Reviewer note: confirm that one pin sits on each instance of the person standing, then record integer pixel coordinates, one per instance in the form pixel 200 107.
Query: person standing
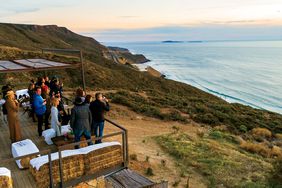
pixel 45 95
pixel 5 89
pixel 55 124
pixel 12 106
pixel 39 108
pixel 31 92
pixel 81 120
pixel 98 109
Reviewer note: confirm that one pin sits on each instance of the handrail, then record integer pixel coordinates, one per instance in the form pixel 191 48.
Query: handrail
pixel 60 148
pixel 115 124
pixel 60 50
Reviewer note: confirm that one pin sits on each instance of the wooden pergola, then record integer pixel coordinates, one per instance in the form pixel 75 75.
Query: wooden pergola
pixel 31 65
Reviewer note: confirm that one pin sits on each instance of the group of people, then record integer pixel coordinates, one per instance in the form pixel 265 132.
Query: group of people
pixel 46 99
pixel 86 118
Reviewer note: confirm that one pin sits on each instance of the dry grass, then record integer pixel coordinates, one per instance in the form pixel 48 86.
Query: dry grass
pixel 278 136
pixel 262 149
pixel 219 161
pixel 261 132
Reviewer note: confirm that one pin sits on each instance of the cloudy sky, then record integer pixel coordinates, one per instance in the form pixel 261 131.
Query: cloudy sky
pixel 152 20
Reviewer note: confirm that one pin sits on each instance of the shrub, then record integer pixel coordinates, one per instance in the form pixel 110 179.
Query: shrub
pixel 276 179
pixel 261 132
pixel 207 118
pixel 149 171
pixel 243 128
pixel 216 134
pixel 147 158
pixel 133 157
pixel 163 162
pixel 278 136
pixel 260 148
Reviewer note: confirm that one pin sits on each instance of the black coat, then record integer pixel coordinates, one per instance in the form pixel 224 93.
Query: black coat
pixel 98 110
pixel 81 118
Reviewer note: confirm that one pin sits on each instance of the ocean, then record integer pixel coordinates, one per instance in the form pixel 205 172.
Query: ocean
pixel 246 72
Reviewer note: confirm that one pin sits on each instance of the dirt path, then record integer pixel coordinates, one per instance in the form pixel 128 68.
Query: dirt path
pixel 149 154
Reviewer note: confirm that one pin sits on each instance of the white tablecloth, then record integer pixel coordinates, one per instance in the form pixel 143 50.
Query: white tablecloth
pixel 22 92
pixel 65 129
pixel 51 133
pixel 22 148
pixel 5 172
pixel 48 134
pixel 2 101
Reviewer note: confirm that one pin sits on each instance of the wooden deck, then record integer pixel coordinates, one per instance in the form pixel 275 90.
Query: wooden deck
pixel 21 178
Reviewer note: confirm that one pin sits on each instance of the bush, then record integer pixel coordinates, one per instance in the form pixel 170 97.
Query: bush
pixel 262 149
pixel 133 157
pixel 243 129
pixel 149 171
pixel 276 179
pixel 261 132
pixel 278 136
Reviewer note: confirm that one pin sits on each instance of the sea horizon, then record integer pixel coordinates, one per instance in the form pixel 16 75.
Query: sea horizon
pixel 240 71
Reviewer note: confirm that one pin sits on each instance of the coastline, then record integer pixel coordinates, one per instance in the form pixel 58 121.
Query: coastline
pixel 218 75
pixel 230 99
pixel 149 69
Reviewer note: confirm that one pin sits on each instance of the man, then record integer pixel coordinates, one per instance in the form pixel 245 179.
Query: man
pixel 40 108
pixel 81 121
pixel 5 90
pixel 98 109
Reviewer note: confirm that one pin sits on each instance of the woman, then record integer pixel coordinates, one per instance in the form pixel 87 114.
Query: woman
pixel 31 92
pixel 12 106
pixel 55 124
pixel 88 99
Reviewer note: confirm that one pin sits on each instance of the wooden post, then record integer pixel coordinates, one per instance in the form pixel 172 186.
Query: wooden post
pixel 82 72
pixel 50 170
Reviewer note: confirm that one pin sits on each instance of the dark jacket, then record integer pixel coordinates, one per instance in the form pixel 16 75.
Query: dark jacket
pixel 80 118
pixel 98 110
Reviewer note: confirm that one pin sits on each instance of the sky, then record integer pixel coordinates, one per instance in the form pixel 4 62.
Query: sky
pixel 153 20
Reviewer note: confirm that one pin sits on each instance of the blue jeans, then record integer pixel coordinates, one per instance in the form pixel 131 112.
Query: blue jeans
pixel 79 133
pixel 95 127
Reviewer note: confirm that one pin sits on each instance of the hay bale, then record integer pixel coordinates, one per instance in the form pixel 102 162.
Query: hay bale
pixel 73 167
pixel 102 158
pixel 5 178
pixel 22 148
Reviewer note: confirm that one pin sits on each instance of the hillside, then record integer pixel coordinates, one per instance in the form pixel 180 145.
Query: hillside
pixel 158 98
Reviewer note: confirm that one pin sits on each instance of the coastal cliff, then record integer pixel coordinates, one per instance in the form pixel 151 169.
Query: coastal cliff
pixel 124 56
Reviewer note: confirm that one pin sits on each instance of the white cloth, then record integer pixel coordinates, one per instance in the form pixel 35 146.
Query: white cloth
pixel 39 161
pixel 22 92
pixel 48 135
pixel 5 172
pixel 22 148
pixel 2 101
pixel 65 129
pixel 55 120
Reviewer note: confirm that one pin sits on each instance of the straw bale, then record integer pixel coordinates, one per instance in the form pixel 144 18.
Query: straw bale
pixel 6 182
pixel 73 167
